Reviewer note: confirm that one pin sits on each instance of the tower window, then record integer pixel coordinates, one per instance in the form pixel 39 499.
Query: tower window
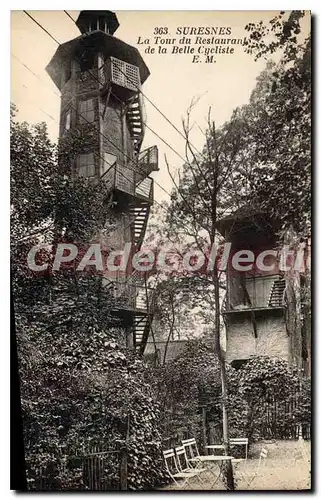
pixel 86 111
pixel 67 121
pixel 86 165
pixel 86 60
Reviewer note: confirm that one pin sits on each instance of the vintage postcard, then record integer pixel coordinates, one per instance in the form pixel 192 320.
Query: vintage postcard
pixel 160 249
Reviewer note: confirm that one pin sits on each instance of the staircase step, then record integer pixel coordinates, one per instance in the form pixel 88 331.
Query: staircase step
pixel 276 294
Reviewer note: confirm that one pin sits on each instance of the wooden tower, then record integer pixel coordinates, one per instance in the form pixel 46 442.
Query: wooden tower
pixel 100 77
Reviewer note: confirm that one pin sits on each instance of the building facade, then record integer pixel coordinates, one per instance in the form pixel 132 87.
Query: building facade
pixel 262 308
pixel 100 79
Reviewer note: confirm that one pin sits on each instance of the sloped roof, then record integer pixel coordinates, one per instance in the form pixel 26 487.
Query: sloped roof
pixel 245 214
pixel 175 347
pixel 86 16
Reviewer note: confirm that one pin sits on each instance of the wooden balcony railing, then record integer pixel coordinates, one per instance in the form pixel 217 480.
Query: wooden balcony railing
pixel 128 181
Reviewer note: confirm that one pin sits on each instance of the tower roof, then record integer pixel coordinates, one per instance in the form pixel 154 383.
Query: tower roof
pixel 87 18
pixel 97 41
pixel 247 217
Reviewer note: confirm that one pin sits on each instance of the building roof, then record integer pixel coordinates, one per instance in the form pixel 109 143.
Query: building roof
pixel 246 216
pixel 86 16
pixel 175 347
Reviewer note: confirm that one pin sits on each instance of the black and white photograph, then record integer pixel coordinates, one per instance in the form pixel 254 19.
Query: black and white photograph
pixel 160 250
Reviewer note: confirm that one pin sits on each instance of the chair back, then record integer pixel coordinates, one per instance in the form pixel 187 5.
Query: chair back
pixel 297 455
pixel 182 460
pixel 262 459
pixel 170 461
pixel 239 441
pixel 191 448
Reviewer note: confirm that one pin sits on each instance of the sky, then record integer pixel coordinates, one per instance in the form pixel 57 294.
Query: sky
pixel 173 82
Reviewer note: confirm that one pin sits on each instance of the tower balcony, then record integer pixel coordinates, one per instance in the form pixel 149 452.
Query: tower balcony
pixel 129 294
pixel 147 162
pixel 270 295
pixel 129 183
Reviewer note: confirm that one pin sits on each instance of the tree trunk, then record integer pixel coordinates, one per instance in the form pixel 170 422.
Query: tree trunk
pixel 226 435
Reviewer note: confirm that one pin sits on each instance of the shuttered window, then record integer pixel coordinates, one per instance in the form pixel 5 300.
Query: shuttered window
pixel 87 165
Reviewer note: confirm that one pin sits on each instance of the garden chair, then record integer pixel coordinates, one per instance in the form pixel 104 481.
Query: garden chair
pixel 240 442
pixel 250 476
pixel 174 471
pixel 297 456
pixel 183 464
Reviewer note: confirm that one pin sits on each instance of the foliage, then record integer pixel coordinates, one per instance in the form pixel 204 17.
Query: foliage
pixel 278 120
pixel 261 156
pixel 267 399
pixel 84 397
pixel 184 385
pixel 282 33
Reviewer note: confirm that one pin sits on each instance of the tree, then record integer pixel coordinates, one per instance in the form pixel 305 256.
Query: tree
pixel 184 385
pixel 268 399
pixel 255 160
pixel 278 119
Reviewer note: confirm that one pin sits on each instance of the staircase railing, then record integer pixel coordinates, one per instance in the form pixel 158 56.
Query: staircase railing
pixel 276 298
pixel 148 161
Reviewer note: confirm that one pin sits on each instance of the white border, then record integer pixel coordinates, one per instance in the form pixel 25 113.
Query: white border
pixel 4 181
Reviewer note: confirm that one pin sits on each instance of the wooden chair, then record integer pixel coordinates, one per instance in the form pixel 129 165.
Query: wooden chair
pixel 174 471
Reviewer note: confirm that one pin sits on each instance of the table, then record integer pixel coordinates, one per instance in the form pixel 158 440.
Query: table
pixel 215 447
pixel 218 459
pixel 233 442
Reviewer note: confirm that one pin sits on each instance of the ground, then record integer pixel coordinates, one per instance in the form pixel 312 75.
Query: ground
pixel 287 467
